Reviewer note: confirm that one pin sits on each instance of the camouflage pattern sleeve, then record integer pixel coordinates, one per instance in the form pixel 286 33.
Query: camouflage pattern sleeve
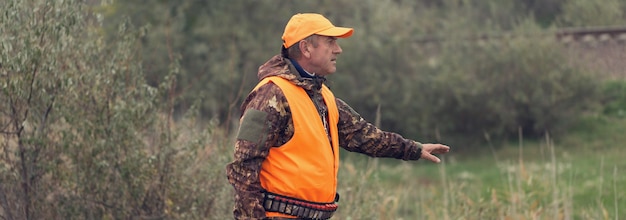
pixel 265 115
pixel 358 135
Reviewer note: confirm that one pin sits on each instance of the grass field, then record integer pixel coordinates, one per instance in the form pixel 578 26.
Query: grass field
pixel 576 176
pixel 572 176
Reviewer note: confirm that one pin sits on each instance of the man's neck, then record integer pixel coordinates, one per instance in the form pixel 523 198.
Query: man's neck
pixel 302 71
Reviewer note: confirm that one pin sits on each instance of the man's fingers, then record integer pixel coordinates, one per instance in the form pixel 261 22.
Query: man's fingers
pixel 441 150
pixel 430 157
pixel 429 149
pixel 436 148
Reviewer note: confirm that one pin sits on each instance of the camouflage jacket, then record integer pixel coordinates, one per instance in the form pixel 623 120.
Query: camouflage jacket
pixel 267 122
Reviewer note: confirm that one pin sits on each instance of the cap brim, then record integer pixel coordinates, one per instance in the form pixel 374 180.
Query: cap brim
pixel 340 32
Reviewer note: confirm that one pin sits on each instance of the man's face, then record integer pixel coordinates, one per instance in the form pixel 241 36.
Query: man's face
pixel 322 57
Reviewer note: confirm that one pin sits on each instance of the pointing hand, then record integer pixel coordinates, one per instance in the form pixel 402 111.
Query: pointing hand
pixel 429 149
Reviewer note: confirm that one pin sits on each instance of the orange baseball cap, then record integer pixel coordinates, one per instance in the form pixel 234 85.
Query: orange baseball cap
pixel 303 25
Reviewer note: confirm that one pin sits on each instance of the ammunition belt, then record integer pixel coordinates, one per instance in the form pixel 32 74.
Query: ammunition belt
pixel 297 207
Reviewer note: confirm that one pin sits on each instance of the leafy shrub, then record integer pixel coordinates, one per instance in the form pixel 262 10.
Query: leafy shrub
pixel 582 13
pixel 83 136
pixel 614 98
pixel 499 87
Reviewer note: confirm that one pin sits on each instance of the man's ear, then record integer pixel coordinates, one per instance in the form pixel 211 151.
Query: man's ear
pixel 304 49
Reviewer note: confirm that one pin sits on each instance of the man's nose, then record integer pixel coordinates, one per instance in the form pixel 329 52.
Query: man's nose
pixel 338 50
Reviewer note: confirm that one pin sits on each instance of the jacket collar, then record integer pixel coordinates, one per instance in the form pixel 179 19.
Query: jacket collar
pixel 283 67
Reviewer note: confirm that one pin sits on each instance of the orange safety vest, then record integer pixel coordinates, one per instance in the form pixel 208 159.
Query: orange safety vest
pixel 306 166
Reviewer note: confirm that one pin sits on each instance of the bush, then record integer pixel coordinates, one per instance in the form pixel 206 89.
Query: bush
pixel 83 136
pixel 582 13
pixel 499 87
pixel 614 98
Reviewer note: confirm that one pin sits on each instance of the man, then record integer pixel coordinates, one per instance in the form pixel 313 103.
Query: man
pixel 287 150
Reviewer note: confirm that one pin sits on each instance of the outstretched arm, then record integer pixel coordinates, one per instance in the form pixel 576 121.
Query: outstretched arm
pixel 358 135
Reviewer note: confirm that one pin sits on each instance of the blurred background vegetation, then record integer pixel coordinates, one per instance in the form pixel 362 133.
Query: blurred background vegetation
pixel 126 109
pixel 458 89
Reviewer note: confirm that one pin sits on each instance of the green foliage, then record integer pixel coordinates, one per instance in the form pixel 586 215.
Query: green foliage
pixel 83 135
pixel 221 43
pixel 104 117
pixel 544 11
pixel 614 101
pixel 384 65
pixel 581 13
pixel 464 88
pixel 499 87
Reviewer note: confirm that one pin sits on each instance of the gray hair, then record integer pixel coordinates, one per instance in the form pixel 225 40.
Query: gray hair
pixel 294 52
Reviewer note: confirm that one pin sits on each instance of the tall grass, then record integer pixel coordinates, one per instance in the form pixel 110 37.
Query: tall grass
pixel 544 181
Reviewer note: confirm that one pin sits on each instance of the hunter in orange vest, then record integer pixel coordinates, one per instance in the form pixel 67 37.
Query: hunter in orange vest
pixel 287 150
